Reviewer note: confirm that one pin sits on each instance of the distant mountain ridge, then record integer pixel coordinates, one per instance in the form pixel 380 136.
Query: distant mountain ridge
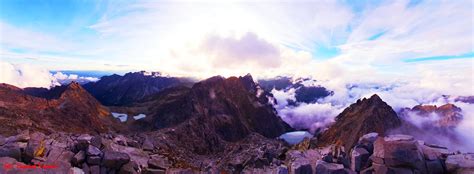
pixel 116 90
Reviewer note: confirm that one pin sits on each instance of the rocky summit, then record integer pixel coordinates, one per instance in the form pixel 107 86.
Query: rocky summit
pixel 72 109
pixel 360 118
pixel 444 116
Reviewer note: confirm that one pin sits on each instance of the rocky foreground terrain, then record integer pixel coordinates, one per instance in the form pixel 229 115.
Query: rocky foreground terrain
pixel 219 125
pixel 116 153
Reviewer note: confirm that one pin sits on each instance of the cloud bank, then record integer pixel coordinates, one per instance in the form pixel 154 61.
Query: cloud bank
pixel 26 75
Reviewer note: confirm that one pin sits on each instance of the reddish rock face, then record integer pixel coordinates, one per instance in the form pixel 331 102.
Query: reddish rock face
pixel 449 114
pixel 364 116
pixel 73 110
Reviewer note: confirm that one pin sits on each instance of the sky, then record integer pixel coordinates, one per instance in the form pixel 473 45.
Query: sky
pixel 367 40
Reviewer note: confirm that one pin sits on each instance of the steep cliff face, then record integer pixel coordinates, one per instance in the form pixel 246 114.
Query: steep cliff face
pixel 72 109
pixel 230 105
pixel 364 116
pixel 212 112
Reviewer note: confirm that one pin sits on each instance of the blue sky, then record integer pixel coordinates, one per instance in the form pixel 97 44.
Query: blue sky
pixel 172 36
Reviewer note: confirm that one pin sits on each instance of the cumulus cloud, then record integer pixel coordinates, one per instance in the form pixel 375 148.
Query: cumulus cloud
pixel 236 52
pixel 66 79
pixel 311 116
pixel 24 75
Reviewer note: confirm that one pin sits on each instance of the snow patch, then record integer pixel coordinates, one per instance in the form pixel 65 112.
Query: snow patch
pixel 122 117
pixel 139 116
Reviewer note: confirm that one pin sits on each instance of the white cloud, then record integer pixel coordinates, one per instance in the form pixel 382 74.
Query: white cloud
pixel 25 75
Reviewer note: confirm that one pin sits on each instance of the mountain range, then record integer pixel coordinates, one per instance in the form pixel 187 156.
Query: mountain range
pixel 217 125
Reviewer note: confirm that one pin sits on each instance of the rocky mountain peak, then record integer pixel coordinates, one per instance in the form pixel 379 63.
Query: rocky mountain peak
pixel 117 90
pixel 448 115
pixel 362 117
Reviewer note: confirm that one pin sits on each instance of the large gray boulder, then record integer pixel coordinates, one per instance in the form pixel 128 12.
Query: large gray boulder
pixel 398 151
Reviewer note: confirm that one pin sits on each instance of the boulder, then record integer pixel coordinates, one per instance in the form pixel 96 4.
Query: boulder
pixel 368 138
pixel 22 137
pixel 7 165
pixel 330 168
pixel 83 141
pixel 158 162
pixel 2 140
pixel 93 151
pixel 79 158
pixel 179 171
pixel 36 147
pixel 86 168
pixel 435 153
pixel 93 160
pixel 460 163
pixel 95 169
pixel 367 141
pixel 301 166
pixel 435 167
pixel 115 160
pixel 133 143
pixel 399 151
pixel 96 141
pixel 121 140
pixel 154 171
pixel 281 170
pixel 60 157
pixel 382 169
pixel 75 170
pixel 12 150
pixel 129 168
pixel 359 158
pixel 148 145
